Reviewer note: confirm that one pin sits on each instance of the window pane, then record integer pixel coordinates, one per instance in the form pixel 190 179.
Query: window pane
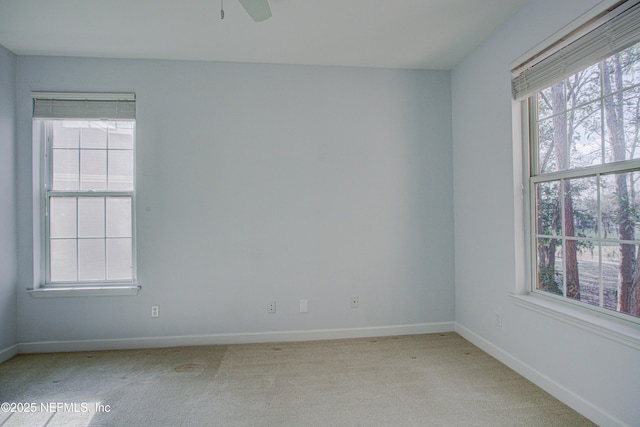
pixel 582 207
pixel 548 205
pixel 93 170
pixel 584 86
pixel 589 272
pixel 62 217
pixel 585 133
pixel 65 169
pixel 549 265
pixel 571 270
pixel 571 137
pixel 631 123
pixel 121 135
pixel 610 271
pixel 544 103
pixel 65 134
pixel 621 69
pixel 94 136
pixel 546 147
pixel 119 260
pixel 91 217
pixel 120 170
pixel 91 259
pixel 118 217
pixel 614 136
pixel 572 111
pixel 620 206
pixel 627 294
pixel 63 260
pixel 621 103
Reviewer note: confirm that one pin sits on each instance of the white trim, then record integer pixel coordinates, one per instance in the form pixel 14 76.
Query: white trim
pixel 603 325
pixel 84 291
pixel 240 338
pixel 9 352
pixel 85 96
pixel 568 397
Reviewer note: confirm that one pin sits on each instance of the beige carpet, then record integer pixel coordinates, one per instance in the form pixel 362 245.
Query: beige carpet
pixel 419 380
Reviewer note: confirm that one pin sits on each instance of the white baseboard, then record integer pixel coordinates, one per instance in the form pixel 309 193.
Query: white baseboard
pixel 558 391
pixel 243 338
pixel 9 352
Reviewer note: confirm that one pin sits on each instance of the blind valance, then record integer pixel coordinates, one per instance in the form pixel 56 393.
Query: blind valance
pixel 613 31
pixel 48 105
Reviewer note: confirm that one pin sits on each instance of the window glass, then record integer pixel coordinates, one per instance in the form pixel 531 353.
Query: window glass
pixel 89 200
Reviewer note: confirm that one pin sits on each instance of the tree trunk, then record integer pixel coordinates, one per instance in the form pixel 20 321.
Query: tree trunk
pixel 615 126
pixel 571 246
pixel 561 144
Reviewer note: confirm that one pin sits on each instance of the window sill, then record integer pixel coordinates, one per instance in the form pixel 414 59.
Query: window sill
pixel 84 291
pixel 617 330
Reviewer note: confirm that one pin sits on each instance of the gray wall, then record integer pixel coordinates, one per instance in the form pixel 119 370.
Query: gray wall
pixel 596 373
pixel 8 238
pixel 260 182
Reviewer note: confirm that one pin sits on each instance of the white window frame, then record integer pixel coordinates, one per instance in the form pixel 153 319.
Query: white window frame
pixel 617 327
pixel 42 147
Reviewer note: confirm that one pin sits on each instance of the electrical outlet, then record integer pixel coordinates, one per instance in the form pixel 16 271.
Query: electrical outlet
pixel 499 319
pixel 271 308
pixel 304 306
pixel 155 310
pixel 354 302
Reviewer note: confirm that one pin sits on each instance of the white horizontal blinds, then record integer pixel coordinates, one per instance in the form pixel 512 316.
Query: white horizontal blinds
pixel 615 31
pixel 83 106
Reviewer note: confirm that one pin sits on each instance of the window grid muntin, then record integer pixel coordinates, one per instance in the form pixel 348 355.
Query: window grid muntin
pixel 49 194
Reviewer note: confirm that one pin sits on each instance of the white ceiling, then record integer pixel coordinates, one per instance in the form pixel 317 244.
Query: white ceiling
pixel 422 34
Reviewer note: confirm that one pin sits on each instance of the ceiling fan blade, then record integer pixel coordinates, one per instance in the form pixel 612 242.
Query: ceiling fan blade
pixel 259 10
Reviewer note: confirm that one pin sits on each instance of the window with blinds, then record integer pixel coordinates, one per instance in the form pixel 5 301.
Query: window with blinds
pixel 88 187
pixel 583 97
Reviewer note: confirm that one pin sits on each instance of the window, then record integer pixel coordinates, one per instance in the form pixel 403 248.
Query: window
pixel 88 188
pixel 584 185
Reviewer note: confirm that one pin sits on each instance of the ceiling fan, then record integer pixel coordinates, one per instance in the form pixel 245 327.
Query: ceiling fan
pixel 259 10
